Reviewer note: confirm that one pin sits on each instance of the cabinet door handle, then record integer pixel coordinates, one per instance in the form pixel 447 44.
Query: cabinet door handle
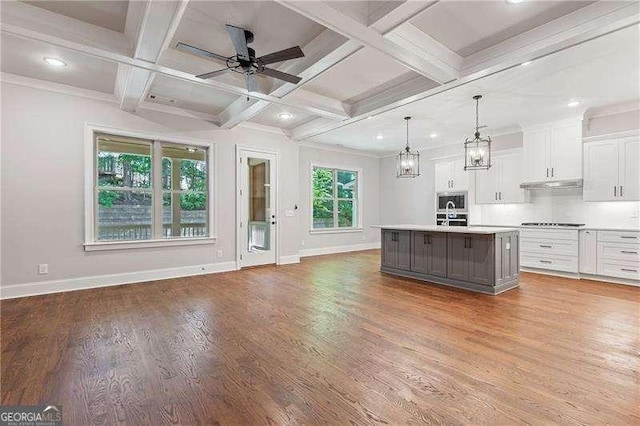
pixel 452 183
pixel 628 270
pixel 496 196
pixel 500 195
pixel 629 237
pixel 545 246
pixel 615 191
pixel 425 239
pixel 546 261
pixel 470 240
pixel 547 172
pixel 552 171
pixel 428 239
pixel 628 252
pixel 465 242
pixel 621 190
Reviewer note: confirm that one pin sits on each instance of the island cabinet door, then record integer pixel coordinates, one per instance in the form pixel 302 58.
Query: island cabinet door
pixel 458 254
pixel 481 259
pixel 389 248
pixel 419 252
pixel 437 254
pixel 403 242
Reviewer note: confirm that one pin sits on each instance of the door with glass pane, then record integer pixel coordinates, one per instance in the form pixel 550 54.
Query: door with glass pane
pixel 258 215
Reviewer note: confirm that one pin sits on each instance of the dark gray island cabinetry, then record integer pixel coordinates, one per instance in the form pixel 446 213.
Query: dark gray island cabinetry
pixel 477 258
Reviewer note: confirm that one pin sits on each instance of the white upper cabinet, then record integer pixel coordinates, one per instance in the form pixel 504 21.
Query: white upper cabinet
pixel 553 151
pixel 611 170
pixel 451 176
pixel 501 183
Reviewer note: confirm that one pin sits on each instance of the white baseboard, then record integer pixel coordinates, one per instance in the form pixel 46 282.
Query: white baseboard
pixel 57 286
pixel 338 249
pixel 287 260
pixel 582 276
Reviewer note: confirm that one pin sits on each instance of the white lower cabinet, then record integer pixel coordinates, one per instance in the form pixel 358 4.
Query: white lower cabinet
pixel 588 252
pixel 618 254
pixel 550 249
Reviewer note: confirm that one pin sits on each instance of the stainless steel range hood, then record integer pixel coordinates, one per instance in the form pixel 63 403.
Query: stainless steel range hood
pixel 553 184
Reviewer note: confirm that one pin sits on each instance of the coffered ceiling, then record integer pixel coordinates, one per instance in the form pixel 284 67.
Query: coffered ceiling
pixel 379 59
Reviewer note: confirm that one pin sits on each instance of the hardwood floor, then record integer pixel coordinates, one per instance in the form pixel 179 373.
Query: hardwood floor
pixel 330 340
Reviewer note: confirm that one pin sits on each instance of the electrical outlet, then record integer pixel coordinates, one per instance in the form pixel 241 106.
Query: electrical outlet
pixel 43 269
pixel 219 253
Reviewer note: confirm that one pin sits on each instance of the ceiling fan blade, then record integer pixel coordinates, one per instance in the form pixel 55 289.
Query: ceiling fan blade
pixel 282 55
pixel 239 41
pixel 252 83
pixel 213 73
pixel 199 52
pixel 280 75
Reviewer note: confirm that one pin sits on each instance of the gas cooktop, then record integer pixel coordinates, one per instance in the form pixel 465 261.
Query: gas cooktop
pixel 554 224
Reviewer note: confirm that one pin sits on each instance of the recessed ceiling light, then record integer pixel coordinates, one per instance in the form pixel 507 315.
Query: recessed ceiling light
pixel 524 64
pixel 379 137
pixel 285 116
pixel 370 117
pixel 55 62
pixel 433 135
pixel 573 104
pixel 514 1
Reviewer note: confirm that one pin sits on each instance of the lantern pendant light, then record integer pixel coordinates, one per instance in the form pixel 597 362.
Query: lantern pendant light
pixel 408 161
pixel 477 151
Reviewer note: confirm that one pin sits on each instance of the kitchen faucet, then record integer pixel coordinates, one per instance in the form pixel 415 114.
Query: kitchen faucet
pixel 446 212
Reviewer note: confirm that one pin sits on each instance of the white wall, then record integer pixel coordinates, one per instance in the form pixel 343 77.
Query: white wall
pixel 43 187
pixel 370 198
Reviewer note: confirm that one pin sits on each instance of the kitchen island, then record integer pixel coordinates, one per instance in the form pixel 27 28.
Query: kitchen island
pixel 482 259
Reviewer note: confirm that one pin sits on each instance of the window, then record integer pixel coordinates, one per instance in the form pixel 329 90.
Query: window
pixel 335 203
pixel 149 190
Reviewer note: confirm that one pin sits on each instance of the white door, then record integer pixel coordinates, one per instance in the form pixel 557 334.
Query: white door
pixel 459 176
pixel 600 171
pixel 536 151
pixel 443 176
pixel 257 208
pixel 566 152
pixel 629 171
pixel 511 174
pixel 488 184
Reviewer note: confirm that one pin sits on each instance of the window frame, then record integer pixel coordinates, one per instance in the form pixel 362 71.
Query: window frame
pixel 91 205
pixel 357 200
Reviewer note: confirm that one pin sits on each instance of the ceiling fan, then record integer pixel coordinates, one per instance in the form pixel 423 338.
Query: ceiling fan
pixel 245 61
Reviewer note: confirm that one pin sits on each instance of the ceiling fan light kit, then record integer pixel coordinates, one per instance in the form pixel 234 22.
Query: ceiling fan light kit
pixel 245 61
pixel 477 151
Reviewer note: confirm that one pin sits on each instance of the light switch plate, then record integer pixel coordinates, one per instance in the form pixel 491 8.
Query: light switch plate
pixel 508 246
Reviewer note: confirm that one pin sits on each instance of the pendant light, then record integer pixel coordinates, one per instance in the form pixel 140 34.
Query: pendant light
pixel 477 151
pixel 408 161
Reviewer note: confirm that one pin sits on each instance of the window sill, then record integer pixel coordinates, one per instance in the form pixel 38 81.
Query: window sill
pixel 335 230
pixel 126 245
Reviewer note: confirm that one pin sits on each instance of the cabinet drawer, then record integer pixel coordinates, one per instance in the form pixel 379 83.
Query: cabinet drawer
pixel 549 234
pixel 554 263
pixel 619 236
pixel 551 247
pixel 619 251
pixel 619 268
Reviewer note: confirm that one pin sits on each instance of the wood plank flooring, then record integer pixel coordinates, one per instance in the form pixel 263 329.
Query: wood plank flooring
pixel 328 341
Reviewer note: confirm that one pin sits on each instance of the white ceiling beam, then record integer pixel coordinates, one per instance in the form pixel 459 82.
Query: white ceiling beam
pixel 388 20
pixel 585 24
pixel 50 86
pixel 582 25
pixel 322 53
pixel 34 32
pixel 337 21
pixel 155 32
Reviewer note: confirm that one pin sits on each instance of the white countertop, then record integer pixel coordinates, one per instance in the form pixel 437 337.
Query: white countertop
pixel 577 228
pixel 453 229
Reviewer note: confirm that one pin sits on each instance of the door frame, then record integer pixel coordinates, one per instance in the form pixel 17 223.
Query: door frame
pixel 240 149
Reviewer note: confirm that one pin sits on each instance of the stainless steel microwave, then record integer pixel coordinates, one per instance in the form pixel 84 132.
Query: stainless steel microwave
pixel 459 200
